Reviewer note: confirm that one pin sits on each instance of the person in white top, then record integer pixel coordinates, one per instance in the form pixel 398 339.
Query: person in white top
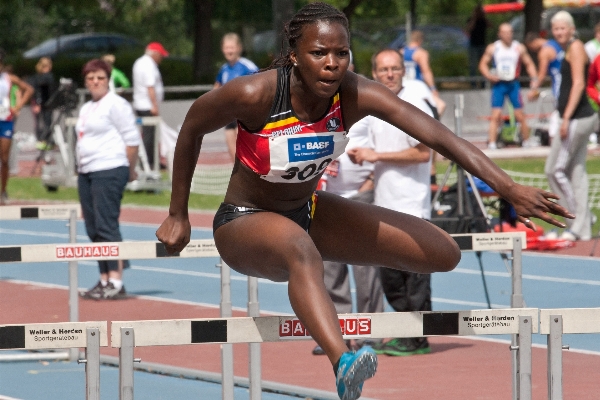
pixel 107 153
pixel 148 91
pixel 402 183
pixel 506 55
pixel 592 47
pixel 8 113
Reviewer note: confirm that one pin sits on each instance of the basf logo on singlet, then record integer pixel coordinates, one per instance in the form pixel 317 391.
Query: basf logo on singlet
pixel 309 148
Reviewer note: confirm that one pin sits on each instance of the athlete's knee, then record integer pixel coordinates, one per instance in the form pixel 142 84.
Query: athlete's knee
pixel 303 253
pixel 448 256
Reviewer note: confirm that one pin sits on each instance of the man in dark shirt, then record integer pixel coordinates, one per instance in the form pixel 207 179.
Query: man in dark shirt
pixel 44 85
pixel 477 25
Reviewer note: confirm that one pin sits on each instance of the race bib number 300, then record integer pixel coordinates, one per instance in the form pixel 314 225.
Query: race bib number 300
pixel 298 158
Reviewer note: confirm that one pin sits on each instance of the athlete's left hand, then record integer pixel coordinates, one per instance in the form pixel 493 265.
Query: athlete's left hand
pixel 534 202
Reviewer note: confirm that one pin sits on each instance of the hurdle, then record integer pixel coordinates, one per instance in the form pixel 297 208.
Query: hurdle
pixel 62 335
pixel 206 248
pixel 514 242
pixel 68 212
pixel 556 322
pixel 74 252
pixel 126 335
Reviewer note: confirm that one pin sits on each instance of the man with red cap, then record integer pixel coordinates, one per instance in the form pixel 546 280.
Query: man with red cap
pixel 148 91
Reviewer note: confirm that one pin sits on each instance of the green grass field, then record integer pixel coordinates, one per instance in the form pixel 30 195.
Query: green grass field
pixel 31 189
pixel 536 166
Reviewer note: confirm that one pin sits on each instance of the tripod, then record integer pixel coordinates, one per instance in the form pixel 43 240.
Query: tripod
pixel 463 218
pixel 58 123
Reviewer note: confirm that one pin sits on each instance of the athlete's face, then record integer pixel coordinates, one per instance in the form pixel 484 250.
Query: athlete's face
pixel 562 32
pixel 231 51
pixel 389 70
pixel 322 57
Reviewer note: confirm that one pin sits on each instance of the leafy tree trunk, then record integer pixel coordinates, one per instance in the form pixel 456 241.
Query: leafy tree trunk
pixel 533 13
pixel 283 11
pixel 202 39
pixel 350 8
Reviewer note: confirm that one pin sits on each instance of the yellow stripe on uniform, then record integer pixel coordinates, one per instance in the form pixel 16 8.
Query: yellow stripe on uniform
pixel 279 124
pixel 313 206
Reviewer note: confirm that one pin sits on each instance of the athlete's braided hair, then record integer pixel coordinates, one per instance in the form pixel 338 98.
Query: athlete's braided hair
pixel 309 14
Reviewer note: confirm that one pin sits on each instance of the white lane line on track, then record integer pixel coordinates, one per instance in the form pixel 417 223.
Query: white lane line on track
pixel 39 233
pixel 41 285
pixel 200 274
pixel 528 276
pixel 457 270
pixel 467 303
pixel 266 281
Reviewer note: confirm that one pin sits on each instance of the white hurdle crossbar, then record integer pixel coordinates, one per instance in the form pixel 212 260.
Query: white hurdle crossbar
pixel 62 335
pixel 103 251
pixel 555 322
pixel 522 322
pixel 54 212
pixel 51 211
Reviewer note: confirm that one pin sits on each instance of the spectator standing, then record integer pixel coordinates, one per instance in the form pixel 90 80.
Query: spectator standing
pixel 593 81
pixel 592 47
pixel 44 84
pixel 506 56
pixel 416 64
pixel 402 167
pixel 8 113
pixel 292 121
pixel 118 80
pixel 15 98
pixel 235 65
pixel 550 55
pixel 477 25
pixel 148 92
pixel 107 151
pixel 416 61
pixel 565 166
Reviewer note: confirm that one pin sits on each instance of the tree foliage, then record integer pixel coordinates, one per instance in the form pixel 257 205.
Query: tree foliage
pixel 173 22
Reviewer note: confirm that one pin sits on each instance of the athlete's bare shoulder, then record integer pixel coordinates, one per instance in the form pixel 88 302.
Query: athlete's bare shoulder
pixel 251 96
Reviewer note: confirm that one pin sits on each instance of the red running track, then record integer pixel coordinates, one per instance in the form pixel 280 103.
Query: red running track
pixel 457 368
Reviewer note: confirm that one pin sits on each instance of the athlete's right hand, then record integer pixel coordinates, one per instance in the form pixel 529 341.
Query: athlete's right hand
pixel 175 233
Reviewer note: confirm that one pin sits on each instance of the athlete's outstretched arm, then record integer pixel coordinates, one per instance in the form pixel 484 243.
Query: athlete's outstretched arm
pixel 243 99
pixel 377 100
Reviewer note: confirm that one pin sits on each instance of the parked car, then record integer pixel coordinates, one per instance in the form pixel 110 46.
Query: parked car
pixel 85 45
pixel 436 38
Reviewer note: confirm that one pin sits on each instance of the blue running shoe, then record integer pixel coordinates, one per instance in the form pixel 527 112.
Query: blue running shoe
pixel 354 369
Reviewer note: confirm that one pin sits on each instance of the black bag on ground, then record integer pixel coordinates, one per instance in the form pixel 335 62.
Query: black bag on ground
pixel 444 213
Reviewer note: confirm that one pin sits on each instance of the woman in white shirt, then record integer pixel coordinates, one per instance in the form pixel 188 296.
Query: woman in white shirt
pixel 107 152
